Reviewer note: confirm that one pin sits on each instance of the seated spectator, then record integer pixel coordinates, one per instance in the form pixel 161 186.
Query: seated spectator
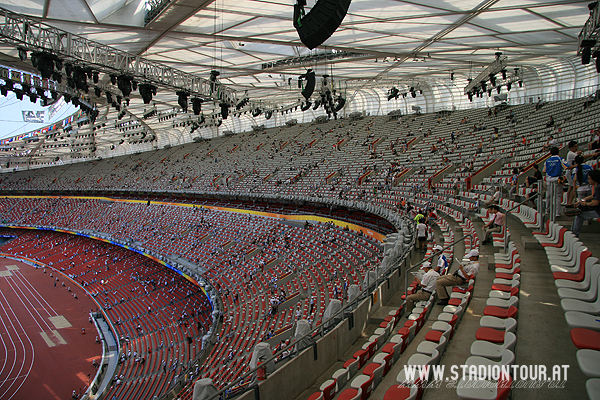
pixel 589 101
pixel 530 197
pixel 550 122
pixel 427 286
pixel 539 104
pixel 495 224
pixel 551 143
pixel 494 200
pixel 537 176
pixel 590 205
pixel 595 143
pixel 580 177
pixel 460 277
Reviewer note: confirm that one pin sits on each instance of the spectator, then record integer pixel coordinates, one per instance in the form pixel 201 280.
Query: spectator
pixel 442 264
pixel 571 155
pixel 537 176
pixel 595 144
pixel 539 104
pixel 580 178
pixel 550 122
pixel 590 205
pixel 551 143
pixel 427 284
pixel 495 224
pixel 514 182
pixel 422 235
pixel 573 152
pixel 460 277
pixel 554 168
pixel 495 198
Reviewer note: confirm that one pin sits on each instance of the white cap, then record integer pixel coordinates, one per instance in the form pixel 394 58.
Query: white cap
pixel 437 248
pixel 426 264
pixel 473 253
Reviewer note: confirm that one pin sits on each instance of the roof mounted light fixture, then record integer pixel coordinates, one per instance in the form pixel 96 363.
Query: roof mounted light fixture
pixel 587 41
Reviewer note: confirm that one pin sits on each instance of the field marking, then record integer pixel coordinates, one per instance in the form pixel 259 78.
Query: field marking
pixel 47 339
pixel 60 322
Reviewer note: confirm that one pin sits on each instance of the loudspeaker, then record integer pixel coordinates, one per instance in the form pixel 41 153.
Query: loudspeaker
pixel 319 24
pixel 586 55
pixel 310 84
pixel 586 50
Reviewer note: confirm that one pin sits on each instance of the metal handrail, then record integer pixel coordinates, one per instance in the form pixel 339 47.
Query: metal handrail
pixel 522 203
pixel 506 212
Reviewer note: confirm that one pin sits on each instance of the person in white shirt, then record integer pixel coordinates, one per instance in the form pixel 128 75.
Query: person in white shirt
pixel 460 277
pixel 495 224
pixel 495 198
pixel 422 235
pixel 442 263
pixel 427 283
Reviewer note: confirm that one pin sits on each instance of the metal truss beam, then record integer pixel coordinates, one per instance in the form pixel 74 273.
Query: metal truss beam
pixel 19 30
pixel 498 65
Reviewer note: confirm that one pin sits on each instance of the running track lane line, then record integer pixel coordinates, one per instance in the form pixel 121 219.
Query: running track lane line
pixel 15 284
pixel 12 286
pixel 5 347
pixel 29 287
pixel 2 395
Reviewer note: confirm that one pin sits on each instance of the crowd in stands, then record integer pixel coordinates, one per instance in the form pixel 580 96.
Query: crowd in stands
pixel 268 273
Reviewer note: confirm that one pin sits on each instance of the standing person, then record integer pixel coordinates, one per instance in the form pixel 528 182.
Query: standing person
pixel 580 177
pixel 495 224
pixel 419 216
pixel 554 168
pixel 422 235
pixel 460 276
pixel 427 284
pixel 514 182
pixel 573 146
pixel 589 206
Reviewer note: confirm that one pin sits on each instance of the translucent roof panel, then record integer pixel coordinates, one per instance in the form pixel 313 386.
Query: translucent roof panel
pixel 255 46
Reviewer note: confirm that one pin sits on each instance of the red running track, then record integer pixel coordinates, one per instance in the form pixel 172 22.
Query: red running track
pixel 41 357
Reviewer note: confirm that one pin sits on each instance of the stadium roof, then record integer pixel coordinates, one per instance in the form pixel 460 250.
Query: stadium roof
pixel 378 43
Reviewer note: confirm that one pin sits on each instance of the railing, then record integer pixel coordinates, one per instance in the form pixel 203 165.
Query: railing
pixel 506 212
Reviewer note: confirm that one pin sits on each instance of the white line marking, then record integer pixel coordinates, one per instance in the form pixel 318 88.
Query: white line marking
pixel 14 349
pixel 13 285
pixel 24 351
pixel 30 287
pixel 47 339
